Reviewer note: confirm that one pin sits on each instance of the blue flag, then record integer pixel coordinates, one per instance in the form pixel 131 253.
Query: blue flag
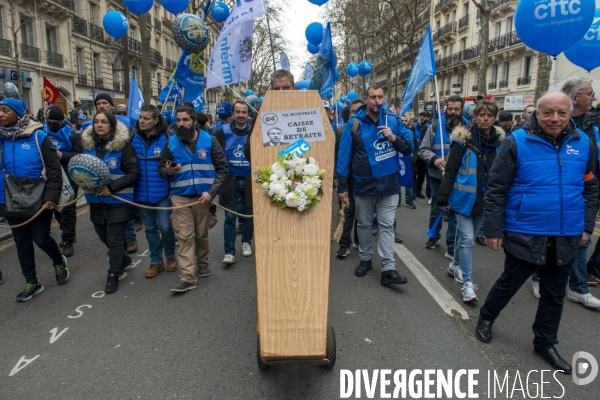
pixel 323 78
pixel 190 75
pixel 175 89
pixel 284 61
pixel 422 72
pixel 136 101
pixel 405 175
pixel 308 72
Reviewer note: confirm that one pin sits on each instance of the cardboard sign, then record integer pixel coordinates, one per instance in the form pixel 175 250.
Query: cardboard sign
pixel 285 127
pixel 300 147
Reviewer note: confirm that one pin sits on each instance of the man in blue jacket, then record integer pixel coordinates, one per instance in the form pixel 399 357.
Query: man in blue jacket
pixel 368 152
pixel 540 205
pixel 104 102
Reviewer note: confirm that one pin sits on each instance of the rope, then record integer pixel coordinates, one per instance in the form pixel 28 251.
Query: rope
pixel 37 214
pixel 341 218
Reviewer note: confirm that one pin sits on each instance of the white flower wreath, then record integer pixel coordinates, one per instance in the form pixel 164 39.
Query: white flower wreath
pixel 278 181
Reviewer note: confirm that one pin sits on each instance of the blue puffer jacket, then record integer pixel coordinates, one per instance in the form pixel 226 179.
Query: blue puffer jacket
pixel 151 187
pixel 354 159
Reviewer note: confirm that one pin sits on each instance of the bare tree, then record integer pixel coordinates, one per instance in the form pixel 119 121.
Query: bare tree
pixel 484 10
pixel 145 59
pixel 543 75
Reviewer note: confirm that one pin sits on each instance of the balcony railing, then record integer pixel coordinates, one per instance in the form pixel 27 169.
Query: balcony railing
pixel 70 4
pixel 170 64
pixel 475 88
pixel 498 3
pixel 440 4
pixel 463 22
pixel 79 25
pixel 449 60
pixel 444 30
pixel 471 52
pixel 423 18
pixel 157 24
pixel 135 46
pixel 510 39
pixel 503 84
pixel 54 59
pixel 96 33
pixel 168 24
pixel 524 80
pixel 30 53
pixel 416 45
pixel 99 82
pixel 5 47
pixel 381 83
pixel 404 54
pixel 116 86
pixel 404 75
pixel 82 80
pixel 156 57
pixel 492 85
pixel 149 19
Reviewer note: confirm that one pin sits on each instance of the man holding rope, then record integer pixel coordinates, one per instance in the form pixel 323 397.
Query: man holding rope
pixel 195 164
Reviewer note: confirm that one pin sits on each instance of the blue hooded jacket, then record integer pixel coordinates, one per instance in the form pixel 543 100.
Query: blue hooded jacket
pixel 354 160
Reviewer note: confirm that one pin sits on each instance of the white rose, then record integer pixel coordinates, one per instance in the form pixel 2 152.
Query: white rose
pixel 310 169
pixel 292 200
pixel 276 187
pixel 278 170
pixel 274 177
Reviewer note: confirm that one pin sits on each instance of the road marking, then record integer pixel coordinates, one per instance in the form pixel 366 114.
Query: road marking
pixel 144 254
pixel 17 368
pixel 56 335
pixel 79 311
pixel 435 289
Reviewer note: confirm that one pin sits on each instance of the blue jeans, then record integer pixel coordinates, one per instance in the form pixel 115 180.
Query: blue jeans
pixel 435 211
pixel 239 201
pixel 130 233
pixel 159 231
pixel 468 226
pixel 408 193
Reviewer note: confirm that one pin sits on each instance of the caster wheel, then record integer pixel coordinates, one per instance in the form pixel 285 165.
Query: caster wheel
pixel 259 360
pixel 331 348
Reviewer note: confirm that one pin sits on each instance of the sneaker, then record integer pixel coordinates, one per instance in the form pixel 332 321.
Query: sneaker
pixel 392 277
pixel 228 259
pixel 398 238
pixel 112 283
pixel 480 241
pixel 363 268
pixel 449 254
pixel 62 242
pixel 429 201
pixel 455 272
pixel 591 280
pixel 61 271
pixel 183 287
pixel 593 273
pixel 468 292
pixel 68 249
pixel 342 252
pixel 31 289
pixel 131 246
pixel 246 249
pixel 203 271
pixel 535 287
pixel 431 243
pixel 410 205
pixel 419 195
pixel 355 245
pixel 587 300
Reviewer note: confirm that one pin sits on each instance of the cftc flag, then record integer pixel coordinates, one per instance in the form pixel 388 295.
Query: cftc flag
pixel 190 75
pixel 284 61
pixel 49 92
pixel 175 89
pixel 422 72
pixel 308 72
pixel 231 58
pixel 323 78
pixel 136 101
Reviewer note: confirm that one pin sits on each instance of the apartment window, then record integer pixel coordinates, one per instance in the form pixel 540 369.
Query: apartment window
pixel 526 67
pixel 447 19
pixel 97 66
pixel 463 43
pixel 448 83
pixel 451 49
pixel 26 31
pixel 133 32
pixel 478 37
pixel 51 39
pixel 157 44
pixel 505 71
pixel 1 22
pixel 494 77
pixel 498 29
pixel 465 9
pixel 442 84
pixel 454 16
pixel 94 13
pixel 509 24
pixel 461 78
pixel 79 61
pixel 445 51
pixel 437 25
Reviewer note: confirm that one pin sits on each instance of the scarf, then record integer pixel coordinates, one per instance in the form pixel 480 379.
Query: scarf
pixel 13 132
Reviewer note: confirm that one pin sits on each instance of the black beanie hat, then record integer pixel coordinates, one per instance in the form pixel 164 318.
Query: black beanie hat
pixel 55 113
pixel 104 96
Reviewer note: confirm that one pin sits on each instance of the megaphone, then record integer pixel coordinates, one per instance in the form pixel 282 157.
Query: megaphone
pixel 431 232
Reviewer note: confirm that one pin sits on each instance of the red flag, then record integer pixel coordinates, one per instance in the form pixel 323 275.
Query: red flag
pixel 50 92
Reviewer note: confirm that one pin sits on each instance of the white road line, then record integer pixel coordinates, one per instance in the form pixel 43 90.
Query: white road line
pixel 435 289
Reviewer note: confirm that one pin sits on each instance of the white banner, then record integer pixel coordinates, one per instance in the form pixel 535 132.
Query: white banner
pixel 518 102
pixel 231 59
pixel 286 127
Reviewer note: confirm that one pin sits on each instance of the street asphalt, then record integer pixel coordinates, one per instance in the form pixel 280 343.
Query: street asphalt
pixel 143 342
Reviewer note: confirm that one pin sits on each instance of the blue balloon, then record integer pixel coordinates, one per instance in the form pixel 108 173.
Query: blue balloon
pixel 219 11
pixel 352 69
pixel 303 85
pixel 552 27
pixel 586 52
pixel 348 102
pixel 175 6
pixel 338 106
pixel 318 2
pixel 314 33
pixel 190 33
pixel 138 6
pixel 365 68
pixel 115 24
pixel 329 95
pixel 312 49
pixel 249 92
pixel 352 95
pixel 261 99
pixel 343 99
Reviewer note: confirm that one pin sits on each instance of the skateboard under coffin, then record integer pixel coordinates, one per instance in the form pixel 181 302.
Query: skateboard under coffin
pixel 292 249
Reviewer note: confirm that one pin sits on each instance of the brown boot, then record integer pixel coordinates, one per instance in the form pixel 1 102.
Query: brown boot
pixel 172 264
pixel 154 270
pixel 131 246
